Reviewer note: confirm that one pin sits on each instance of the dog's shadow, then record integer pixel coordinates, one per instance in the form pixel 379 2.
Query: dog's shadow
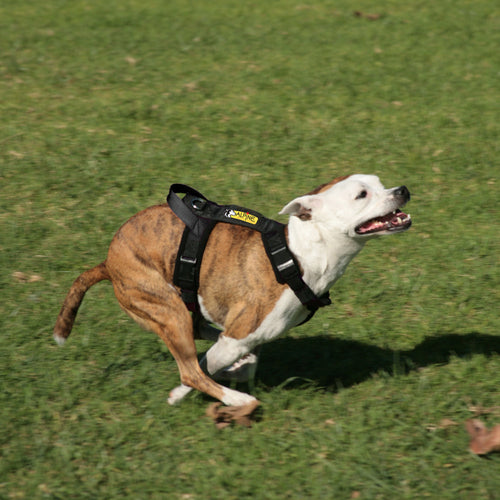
pixel 332 363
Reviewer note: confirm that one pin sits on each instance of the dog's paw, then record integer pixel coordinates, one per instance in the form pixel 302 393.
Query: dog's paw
pixel 176 395
pixel 242 370
pixel 236 398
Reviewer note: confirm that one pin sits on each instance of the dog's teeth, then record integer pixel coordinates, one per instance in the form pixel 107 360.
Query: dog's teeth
pixel 399 220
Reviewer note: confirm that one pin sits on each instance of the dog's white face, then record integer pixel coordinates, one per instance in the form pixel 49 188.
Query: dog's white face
pixel 358 206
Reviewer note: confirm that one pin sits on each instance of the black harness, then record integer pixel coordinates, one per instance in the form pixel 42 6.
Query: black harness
pixel 201 215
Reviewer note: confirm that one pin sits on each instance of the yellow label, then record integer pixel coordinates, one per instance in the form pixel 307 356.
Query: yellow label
pixel 243 216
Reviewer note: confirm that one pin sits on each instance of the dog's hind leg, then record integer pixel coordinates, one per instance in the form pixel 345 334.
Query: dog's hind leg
pixel 227 354
pixel 204 331
pixel 224 352
pixel 242 370
pixel 165 314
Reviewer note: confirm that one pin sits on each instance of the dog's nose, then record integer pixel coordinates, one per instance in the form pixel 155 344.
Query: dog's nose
pixel 403 192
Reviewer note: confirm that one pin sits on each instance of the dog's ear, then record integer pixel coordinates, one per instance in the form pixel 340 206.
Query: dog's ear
pixel 303 207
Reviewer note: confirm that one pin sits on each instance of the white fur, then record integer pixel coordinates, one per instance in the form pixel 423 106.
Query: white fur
pixel 236 398
pixel 325 244
pixel 323 255
pixel 337 211
pixel 60 340
pixel 242 370
pixel 178 394
pixel 223 353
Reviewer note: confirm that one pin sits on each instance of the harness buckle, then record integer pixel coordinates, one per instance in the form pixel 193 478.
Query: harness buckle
pixel 278 250
pixel 285 265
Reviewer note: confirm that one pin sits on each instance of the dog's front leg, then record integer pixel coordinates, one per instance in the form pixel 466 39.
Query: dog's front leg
pixel 242 370
pixel 223 354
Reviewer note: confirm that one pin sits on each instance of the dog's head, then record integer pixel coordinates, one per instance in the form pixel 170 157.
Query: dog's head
pixel 357 205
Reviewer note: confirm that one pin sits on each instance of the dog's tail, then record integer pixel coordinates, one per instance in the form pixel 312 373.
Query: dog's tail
pixel 67 316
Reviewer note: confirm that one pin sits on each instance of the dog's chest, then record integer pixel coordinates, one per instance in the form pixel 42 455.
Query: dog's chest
pixel 286 313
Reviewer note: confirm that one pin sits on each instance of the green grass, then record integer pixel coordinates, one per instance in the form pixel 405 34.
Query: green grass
pixel 105 104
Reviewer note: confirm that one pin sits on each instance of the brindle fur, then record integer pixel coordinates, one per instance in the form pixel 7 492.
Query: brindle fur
pixel 140 265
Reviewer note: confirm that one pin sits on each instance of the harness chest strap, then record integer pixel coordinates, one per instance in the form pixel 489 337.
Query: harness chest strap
pixel 201 215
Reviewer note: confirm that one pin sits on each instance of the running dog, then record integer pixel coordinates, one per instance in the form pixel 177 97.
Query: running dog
pixel 238 290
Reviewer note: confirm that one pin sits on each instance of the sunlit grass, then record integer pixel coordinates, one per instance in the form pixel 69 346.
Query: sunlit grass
pixel 104 105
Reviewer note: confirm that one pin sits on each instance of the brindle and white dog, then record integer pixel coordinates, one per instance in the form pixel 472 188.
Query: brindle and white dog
pixel 238 290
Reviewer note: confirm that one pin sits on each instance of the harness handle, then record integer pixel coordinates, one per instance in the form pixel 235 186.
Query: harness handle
pixel 180 208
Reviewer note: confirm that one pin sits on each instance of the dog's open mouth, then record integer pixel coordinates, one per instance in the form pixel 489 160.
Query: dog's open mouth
pixel 394 221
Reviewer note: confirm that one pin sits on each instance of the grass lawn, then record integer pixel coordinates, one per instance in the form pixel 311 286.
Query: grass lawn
pixel 105 104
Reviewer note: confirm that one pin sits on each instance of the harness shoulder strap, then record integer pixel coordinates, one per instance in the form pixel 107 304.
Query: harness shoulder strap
pixel 188 261
pixel 287 269
pixel 193 242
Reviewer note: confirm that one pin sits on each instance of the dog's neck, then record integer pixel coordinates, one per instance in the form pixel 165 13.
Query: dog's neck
pixel 322 252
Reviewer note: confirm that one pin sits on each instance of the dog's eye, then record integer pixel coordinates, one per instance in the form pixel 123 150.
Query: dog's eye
pixel 363 194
